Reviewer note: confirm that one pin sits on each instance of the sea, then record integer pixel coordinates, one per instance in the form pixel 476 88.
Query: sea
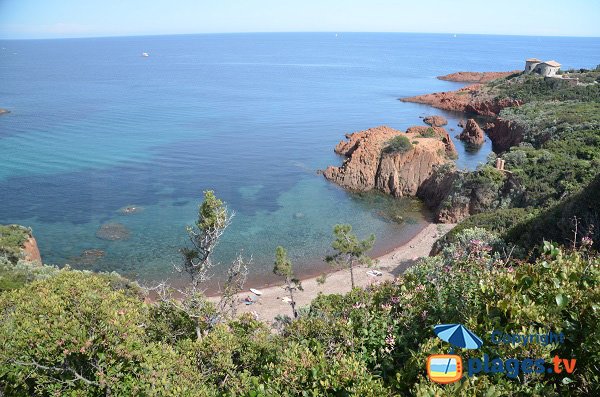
pixel 96 127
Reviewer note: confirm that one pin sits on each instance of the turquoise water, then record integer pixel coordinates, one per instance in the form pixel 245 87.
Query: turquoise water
pixel 95 127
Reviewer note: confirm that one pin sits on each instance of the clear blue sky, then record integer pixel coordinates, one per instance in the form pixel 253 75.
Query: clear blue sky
pixel 83 18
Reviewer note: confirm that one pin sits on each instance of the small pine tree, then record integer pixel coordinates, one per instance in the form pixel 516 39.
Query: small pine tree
pixel 283 267
pixel 349 249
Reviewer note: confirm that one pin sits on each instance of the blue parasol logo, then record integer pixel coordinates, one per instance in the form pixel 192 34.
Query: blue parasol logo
pixel 458 336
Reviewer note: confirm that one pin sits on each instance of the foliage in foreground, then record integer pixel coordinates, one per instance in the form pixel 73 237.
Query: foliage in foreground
pixel 80 333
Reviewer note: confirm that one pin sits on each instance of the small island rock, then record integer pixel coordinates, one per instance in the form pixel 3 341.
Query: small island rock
pixel 472 134
pixel 435 121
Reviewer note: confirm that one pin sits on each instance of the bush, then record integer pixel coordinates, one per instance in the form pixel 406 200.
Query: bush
pixel 398 144
pixel 13 276
pixel 12 238
pixel 76 334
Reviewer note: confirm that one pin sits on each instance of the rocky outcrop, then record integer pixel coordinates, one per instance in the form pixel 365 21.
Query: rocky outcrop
pixel 441 133
pixel 369 167
pixel 504 134
pixel 476 77
pixel 31 251
pixel 435 121
pixel 470 99
pixel 491 107
pixel 472 134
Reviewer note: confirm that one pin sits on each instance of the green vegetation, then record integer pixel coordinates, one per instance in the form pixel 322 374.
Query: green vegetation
pixel 532 87
pixel 85 334
pixel 429 133
pixel 283 267
pixel 12 238
pixel 66 332
pixel 553 167
pixel 349 250
pixel 398 144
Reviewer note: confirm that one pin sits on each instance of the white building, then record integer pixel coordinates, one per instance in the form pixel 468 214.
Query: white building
pixel 544 68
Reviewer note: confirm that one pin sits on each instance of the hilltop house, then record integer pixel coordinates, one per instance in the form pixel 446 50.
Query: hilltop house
pixel 546 69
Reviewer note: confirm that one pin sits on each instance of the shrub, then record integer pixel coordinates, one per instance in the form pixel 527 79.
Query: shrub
pixel 76 334
pixel 13 276
pixel 398 144
pixel 12 238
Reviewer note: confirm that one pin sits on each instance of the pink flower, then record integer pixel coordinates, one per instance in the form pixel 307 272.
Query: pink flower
pixel 587 242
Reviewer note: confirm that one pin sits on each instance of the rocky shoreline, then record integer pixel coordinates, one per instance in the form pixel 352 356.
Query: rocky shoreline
pixel 475 77
pixel 414 172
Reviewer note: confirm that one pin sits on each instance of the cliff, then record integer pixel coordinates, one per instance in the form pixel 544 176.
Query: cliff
pixel 504 134
pixel 475 77
pixel 370 166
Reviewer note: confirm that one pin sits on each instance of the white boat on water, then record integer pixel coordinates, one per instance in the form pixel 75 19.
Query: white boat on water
pixel 145 54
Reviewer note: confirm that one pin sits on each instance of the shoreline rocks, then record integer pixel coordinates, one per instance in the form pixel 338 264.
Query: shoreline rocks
pixel 475 77
pixel 435 121
pixel 31 251
pixel 469 99
pixel 430 132
pixel 400 173
pixel 504 134
pixel 472 134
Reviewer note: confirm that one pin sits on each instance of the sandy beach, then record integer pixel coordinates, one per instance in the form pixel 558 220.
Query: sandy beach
pixel 270 304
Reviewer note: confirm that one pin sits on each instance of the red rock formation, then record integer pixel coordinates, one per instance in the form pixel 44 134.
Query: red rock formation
pixel 31 251
pixel 435 121
pixel 476 77
pixel 470 99
pixel 441 133
pixel 504 134
pixel 472 134
pixel 399 173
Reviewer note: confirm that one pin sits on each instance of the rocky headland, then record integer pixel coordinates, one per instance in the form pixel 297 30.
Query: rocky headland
pixel 425 169
pixel 369 165
pixel 470 99
pixel 475 77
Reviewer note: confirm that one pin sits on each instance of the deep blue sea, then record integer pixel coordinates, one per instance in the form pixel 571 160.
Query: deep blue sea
pixel 94 127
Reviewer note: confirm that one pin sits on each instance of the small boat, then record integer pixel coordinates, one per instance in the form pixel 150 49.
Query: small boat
pixel 286 299
pixel 256 291
pixel 374 273
pixel 145 54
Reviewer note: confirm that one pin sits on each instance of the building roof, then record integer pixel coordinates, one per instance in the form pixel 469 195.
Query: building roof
pixel 533 60
pixel 552 63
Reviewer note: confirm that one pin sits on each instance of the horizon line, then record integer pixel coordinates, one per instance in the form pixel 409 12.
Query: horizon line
pixel 287 32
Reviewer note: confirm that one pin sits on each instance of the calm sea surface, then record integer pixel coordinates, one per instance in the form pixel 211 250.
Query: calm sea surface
pixel 95 127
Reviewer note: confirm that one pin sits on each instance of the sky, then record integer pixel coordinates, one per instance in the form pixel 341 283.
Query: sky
pixel 27 19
